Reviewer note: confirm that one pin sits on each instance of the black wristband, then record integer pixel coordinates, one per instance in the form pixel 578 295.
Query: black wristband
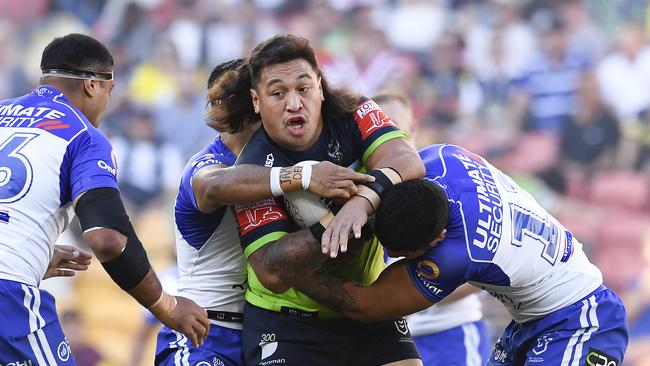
pixel 381 183
pixel 317 230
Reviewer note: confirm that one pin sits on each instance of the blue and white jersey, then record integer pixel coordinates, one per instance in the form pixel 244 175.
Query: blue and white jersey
pixel 49 154
pixel 440 317
pixel 499 239
pixel 211 265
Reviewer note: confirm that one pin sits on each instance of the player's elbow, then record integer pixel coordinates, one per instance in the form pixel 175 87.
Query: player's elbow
pixel 107 244
pixel 273 283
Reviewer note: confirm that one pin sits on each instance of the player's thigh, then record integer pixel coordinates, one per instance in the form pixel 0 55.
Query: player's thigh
pixel 45 346
pixel 599 336
pixel 273 338
pixel 29 327
pixel 384 343
pixel 464 345
pixel 222 347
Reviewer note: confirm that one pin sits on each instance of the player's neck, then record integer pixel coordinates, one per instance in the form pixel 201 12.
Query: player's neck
pixel 235 142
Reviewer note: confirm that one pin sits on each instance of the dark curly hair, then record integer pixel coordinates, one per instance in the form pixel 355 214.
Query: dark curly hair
pixel 411 215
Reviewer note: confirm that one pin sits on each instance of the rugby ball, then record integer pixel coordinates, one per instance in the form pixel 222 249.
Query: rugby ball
pixel 304 207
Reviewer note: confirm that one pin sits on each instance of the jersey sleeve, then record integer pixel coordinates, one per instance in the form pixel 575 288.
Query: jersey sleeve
pixel 92 163
pixel 260 223
pixel 193 167
pixel 373 128
pixel 439 272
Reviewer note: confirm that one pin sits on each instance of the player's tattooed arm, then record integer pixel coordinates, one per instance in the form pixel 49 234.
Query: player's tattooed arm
pixel 391 296
pixel 280 264
pixel 329 290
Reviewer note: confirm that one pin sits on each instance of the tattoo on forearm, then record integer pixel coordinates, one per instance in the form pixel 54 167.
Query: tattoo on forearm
pixel 328 290
pixel 291 178
pixel 294 256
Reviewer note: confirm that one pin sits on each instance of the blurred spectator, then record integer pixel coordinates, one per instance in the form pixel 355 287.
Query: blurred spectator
pixel 149 167
pixel 154 81
pixel 625 74
pixel 12 79
pixel 366 66
pixel 516 37
pixel 546 91
pixel 590 136
pixel 84 353
pixel 457 93
pixel 181 121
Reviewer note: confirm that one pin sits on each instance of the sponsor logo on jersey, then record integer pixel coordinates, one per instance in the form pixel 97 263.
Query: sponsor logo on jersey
pixel 599 358
pixel 16 115
pixel 490 204
pixel 402 326
pixel 104 165
pixel 430 287
pixel 52 125
pixel 18 363
pixel 542 344
pixel 268 345
pixel 370 117
pixel 269 160
pixel 63 351
pixel 254 215
pixel 428 269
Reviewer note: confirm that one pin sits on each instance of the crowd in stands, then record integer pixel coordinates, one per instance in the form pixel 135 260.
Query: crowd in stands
pixel 555 92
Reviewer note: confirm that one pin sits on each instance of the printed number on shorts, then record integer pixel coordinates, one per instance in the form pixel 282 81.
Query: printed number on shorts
pixel 16 171
pixel 268 337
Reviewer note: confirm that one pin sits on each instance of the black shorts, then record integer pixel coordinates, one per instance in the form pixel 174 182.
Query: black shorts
pixel 273 338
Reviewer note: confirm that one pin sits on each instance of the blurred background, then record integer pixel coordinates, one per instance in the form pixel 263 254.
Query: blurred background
pixel 554 93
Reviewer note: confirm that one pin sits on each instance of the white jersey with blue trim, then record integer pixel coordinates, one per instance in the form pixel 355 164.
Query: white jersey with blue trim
pixel 501 240
pixel 211 265
pixel 439 317
pixel 49 154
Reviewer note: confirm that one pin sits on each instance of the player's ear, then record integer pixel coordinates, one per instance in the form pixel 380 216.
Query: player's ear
pixel 90 87
pixel 256 100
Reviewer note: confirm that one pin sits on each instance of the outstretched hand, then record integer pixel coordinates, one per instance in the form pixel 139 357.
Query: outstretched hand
pixel 332 181
pixel 67 259
pixel 350 218
pixel 186 317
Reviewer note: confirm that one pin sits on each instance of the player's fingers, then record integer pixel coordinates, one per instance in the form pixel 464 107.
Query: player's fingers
pixel 64 273
pixel 347 185
pixel 72 265
pixel 361 178
pixel 325 240
pixel 193 337
pixel 339 193
pixel 84 255
pixel 200 331
pixel 342 240
pixel 356 229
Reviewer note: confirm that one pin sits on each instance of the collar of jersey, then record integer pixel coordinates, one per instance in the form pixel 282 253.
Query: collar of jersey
pixel 49 92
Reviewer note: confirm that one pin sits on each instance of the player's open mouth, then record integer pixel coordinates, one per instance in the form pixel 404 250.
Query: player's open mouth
pixel 296 125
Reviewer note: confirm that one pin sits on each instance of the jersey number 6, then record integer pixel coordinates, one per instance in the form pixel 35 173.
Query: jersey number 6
pixel 16 171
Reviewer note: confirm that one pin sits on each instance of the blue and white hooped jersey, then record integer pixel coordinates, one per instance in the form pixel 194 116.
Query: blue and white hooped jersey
pixel 49 154
pixel 211 265
pixel 500 239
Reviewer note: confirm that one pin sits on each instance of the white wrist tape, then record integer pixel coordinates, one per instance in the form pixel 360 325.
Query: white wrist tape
pixel 306 176
pixel 276 190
